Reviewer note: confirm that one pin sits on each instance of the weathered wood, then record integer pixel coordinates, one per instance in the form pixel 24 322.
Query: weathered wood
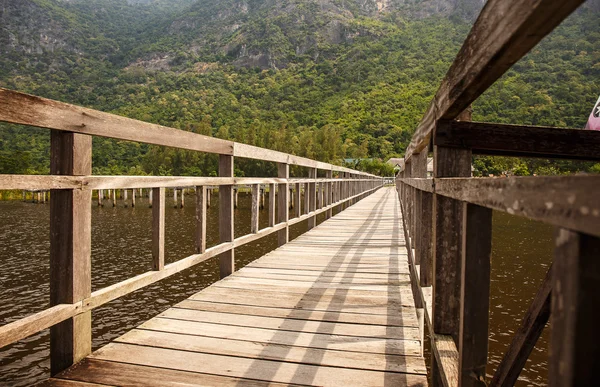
pixel 564 201
pixel 474 294
pixel 575 341
pixel 70 249
pixel 254 225
pixel 519 140
pixel 311 197
pixel 133 198
pixel 272 199
pixel 526 337
pixel 426 253
pixel 447 242
pixel 175 203
pixel 504 32
pixel 226 218
pixel 158 229
pixel 201 210
pixel 283 210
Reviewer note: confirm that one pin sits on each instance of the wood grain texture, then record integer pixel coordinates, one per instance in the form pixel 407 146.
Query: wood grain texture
pixel 503 33
pixel 272 205
pixel 283 209
pixel 311 197
pixel 255 208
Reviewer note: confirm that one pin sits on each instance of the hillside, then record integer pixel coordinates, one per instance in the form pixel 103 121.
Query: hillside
pixel 328 79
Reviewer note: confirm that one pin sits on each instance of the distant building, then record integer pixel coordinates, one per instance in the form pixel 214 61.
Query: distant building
pixel 397 163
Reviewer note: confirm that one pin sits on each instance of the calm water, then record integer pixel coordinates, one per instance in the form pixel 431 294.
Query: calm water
pixel 121 248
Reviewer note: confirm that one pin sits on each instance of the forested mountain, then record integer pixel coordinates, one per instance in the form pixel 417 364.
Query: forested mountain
pixel 327 79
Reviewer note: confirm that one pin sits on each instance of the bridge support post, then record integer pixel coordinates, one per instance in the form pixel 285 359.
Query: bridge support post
pixel 201 208
pixel 254 223
pixel 158 229
pixel 283 210
pixel 328 194
pixel 70 249
pixel 226 261
pixel 297 197
pixel 574 345
pixel 311 197
pixel 272 204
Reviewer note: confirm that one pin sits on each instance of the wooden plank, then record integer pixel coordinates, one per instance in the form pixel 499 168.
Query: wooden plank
pixel 158 228
pixel 70 249
pixel 365 345
pixel 123 374
pixel 288 354
pixel 311 197
pixel 68 383
pixel 519 140
pixel 280 372
pixel 426 260
pixel 283 235
pixel 328 194
pixel 526 337
pixel 289 323
pixel 394 319
pixel 254 225
pixel 575 345
pixel 226 219
pixel 503 33
pixel 474 295
pixel 38 182
pixel 201 210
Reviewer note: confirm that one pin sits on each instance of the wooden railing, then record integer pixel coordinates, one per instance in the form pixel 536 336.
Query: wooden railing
pixel 448 218
pixel 71 185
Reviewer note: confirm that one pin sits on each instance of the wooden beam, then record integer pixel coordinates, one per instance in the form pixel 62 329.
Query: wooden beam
pixel 283 210
pixel 201 209
pixel 226 219
pixel 519 140
pixel 575 338
pixel 298 200
pixel 504 32
pixel 70 249
pixel 272 198
pixel 474 295
pixel 526 337
pixel 158 228
pixel 328 194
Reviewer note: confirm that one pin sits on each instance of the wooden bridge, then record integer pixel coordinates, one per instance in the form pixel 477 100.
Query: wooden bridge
pixel 348 302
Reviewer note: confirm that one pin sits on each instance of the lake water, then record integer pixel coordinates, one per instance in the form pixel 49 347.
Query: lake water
pixel 121 248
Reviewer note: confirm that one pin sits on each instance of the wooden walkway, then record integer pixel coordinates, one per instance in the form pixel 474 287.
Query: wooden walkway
pixel 333 307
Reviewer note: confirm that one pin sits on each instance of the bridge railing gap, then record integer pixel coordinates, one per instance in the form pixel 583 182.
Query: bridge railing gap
pixel 448 216
pixel 71 184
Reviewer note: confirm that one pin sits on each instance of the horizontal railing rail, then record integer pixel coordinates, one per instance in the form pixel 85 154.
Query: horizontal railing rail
pixel 71 184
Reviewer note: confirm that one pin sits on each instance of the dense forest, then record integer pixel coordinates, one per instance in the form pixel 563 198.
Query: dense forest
pixel 338 81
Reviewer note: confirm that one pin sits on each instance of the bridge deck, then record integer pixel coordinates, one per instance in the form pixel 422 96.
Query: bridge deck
pixel 332 307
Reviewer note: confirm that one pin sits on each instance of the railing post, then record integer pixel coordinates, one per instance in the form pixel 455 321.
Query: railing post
pixel 70 249
pixel 254 225
pixel 200 219
pixel 226 219
pixel 272 198
pixel 298 196
pixel 574 345
pixel 447 251
pixel 312 197
pixel 158 229
pixel 328 194
pixel 283 210
pixel 474 295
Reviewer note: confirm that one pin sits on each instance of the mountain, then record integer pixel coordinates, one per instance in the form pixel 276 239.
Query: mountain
pixel 327 79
